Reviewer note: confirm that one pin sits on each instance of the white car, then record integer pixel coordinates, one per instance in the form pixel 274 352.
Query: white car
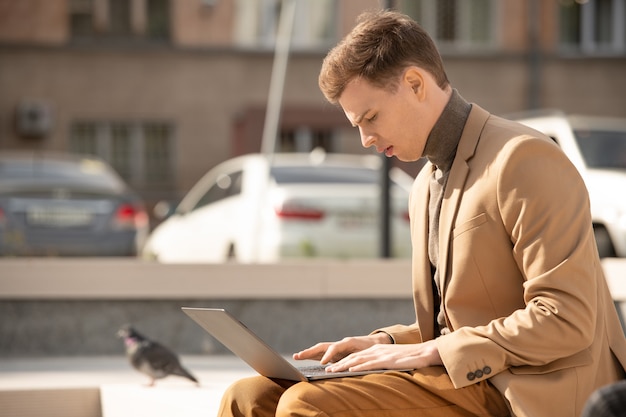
pixel 597 147
pixel 252 209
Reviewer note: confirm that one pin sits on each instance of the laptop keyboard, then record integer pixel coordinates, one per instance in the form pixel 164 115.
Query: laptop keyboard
pixel 313 370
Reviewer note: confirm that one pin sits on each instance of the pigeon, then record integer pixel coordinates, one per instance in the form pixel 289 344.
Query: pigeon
pixel 151 358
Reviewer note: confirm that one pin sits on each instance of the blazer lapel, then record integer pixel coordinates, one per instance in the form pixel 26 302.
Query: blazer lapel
pixel 455 186
pixel 422 280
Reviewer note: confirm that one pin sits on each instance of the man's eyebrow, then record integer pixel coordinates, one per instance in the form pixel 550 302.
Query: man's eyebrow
pixel 359 118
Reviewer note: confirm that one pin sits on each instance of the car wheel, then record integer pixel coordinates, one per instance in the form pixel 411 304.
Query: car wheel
pixel 603 241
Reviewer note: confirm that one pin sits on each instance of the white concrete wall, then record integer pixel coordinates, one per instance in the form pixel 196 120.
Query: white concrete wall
pixel 133 279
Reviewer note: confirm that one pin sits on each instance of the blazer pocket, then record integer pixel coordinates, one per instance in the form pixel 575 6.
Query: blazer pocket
pixel 582 358
pixel 470 224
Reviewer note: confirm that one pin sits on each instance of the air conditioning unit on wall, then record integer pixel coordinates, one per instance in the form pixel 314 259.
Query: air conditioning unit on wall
pixel 33 118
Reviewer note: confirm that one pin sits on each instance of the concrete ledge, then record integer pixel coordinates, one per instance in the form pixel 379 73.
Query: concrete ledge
pixel 74 307
pixel 109 387
pixel 61 402
pixel 119 278
pixel 134 279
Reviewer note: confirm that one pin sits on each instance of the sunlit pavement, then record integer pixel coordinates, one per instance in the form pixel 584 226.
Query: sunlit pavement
pixel 45 386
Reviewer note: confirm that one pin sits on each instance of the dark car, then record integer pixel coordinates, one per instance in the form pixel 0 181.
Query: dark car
pixel 54 204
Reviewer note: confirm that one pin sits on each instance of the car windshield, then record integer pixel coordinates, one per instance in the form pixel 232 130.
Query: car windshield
pixel 324 175
pixel 603 148
pixel 86 173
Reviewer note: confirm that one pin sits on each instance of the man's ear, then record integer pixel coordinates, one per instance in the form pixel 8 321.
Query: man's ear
pixel 414 77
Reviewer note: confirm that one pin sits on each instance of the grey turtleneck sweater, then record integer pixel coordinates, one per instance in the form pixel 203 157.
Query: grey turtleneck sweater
pixel 440 150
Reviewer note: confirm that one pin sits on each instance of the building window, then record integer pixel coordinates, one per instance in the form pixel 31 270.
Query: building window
pixel 158 17
pixel 256 23
pixel 121 150
pixel 141 153
pixel 593 26
pixel 157 150
pixel 84 139
pixel 81 18
pixel 119 24
pixel 119 20
pixel 455 25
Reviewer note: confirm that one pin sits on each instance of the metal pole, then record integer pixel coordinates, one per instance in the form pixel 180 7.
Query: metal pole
pixel 385 209
pixel 385 200
pixel 277 82
pixel 534 54
pixel 274 99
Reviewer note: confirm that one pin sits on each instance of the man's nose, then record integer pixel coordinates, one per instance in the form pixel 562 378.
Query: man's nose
pixel 367 139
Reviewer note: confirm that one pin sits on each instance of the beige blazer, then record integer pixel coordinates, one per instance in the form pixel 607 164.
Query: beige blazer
pixel 523 288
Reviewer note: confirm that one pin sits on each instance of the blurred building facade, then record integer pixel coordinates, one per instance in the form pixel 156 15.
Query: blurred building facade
pixel 166 89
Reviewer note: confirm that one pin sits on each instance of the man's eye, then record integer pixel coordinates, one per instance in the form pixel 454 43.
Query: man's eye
pixel 371 119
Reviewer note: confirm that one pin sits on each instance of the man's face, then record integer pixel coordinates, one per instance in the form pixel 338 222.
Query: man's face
pixel 395 122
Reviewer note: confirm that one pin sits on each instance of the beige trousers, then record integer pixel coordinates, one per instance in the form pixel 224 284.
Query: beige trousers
pixel 423 393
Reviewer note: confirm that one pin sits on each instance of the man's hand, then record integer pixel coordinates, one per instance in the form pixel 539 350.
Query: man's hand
pixel 364 353
pixel 403 356
pixel 328 352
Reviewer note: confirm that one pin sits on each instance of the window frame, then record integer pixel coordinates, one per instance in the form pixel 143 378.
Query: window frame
pixel 314 26
pixel 112 21
pixel 583 37
pixel 101 139
pixel 425 12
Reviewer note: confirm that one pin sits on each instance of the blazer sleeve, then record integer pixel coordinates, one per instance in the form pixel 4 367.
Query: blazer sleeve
pixel 413 333
pixel 401 333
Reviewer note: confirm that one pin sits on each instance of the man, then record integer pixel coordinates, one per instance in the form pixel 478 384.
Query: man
pixel 513 314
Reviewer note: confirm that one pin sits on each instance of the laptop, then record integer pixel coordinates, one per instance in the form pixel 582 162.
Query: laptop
pixel 255 352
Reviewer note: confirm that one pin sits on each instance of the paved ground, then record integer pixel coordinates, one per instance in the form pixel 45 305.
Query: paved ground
pixel 123 391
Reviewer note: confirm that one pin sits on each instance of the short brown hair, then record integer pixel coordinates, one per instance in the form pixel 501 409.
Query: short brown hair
pixel 378 49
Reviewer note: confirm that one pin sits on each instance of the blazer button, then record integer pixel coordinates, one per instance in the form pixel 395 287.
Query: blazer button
pixel 478 373
pixel 486 370
pixel 471 376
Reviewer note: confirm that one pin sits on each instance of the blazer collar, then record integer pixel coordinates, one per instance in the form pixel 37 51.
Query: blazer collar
pixel 444 137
